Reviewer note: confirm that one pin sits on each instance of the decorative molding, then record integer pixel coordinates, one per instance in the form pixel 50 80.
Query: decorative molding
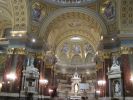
pixel 19 12
pixel 126 14
pixel 126 50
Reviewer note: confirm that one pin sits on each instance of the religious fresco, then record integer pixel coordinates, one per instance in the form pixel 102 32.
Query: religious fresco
pixel 109 10
pixel 38 12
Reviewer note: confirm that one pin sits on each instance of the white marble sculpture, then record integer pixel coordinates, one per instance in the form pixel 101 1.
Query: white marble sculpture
pixel 75 89
pixel 115 65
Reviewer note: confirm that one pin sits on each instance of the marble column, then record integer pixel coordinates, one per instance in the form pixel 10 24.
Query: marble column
pixel 126 75
pixel 50 61
pixel 106 65
pixel 14 64
pixel 102 71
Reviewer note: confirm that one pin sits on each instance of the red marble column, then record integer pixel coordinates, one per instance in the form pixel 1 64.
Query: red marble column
pixel 6 71
pixel 107 63
pixel 49 76
pixel 126 73
pixel 102 75
pixel 9 67
pixel 19 69
pixel 39 64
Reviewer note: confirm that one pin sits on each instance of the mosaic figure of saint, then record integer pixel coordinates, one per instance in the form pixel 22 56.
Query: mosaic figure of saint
pixel 88 48
pixel 36 12
pixel 65 48
pixel 109 11
pixel 76 49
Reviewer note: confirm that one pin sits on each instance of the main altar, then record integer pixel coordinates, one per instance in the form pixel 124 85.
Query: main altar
pixel 75 93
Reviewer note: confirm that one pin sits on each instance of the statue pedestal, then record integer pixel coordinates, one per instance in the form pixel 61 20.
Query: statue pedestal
pixel 115 80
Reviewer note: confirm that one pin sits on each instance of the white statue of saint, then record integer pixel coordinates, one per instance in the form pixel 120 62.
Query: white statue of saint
pixel 30 61
pixel 76 88
pixel 115 64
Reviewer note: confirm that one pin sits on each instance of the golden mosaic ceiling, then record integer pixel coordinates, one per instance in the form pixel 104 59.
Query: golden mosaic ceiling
pixel 5 16
pixel 73 23
pixel 66 26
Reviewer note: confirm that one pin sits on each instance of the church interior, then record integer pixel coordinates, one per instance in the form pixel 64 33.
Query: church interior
pixel 66 49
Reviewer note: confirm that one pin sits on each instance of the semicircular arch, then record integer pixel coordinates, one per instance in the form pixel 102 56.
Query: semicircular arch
pixel 61 11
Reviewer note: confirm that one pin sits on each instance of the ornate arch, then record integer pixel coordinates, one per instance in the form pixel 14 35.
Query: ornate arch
pixel 61 11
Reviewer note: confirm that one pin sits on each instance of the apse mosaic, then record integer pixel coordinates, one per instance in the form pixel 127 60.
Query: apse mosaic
pixel 74 53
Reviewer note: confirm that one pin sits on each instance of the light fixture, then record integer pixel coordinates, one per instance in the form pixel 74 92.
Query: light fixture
pixel 101 82
pixel 112 39
pixel 20 35
pixel 96 53
pixel 15 32
pixel 43 81
pixel 87 72
pixel 0 85
pixel 75 38
pixel 98 92
pixel 11 76
pixel 131 79
pixel 8 82
pixel 33 40
pixel 50 90
pixel 103 9
pixel 13 35
pixel 101 37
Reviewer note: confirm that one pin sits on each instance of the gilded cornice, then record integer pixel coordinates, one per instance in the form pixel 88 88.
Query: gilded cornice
pixel 20 51
pixel 126 50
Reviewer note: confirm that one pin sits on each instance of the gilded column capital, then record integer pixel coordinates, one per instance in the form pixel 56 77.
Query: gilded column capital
pixel 38 55
pixel 20 51
pixel 126 50
pixel 106 55
pixel 116 53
